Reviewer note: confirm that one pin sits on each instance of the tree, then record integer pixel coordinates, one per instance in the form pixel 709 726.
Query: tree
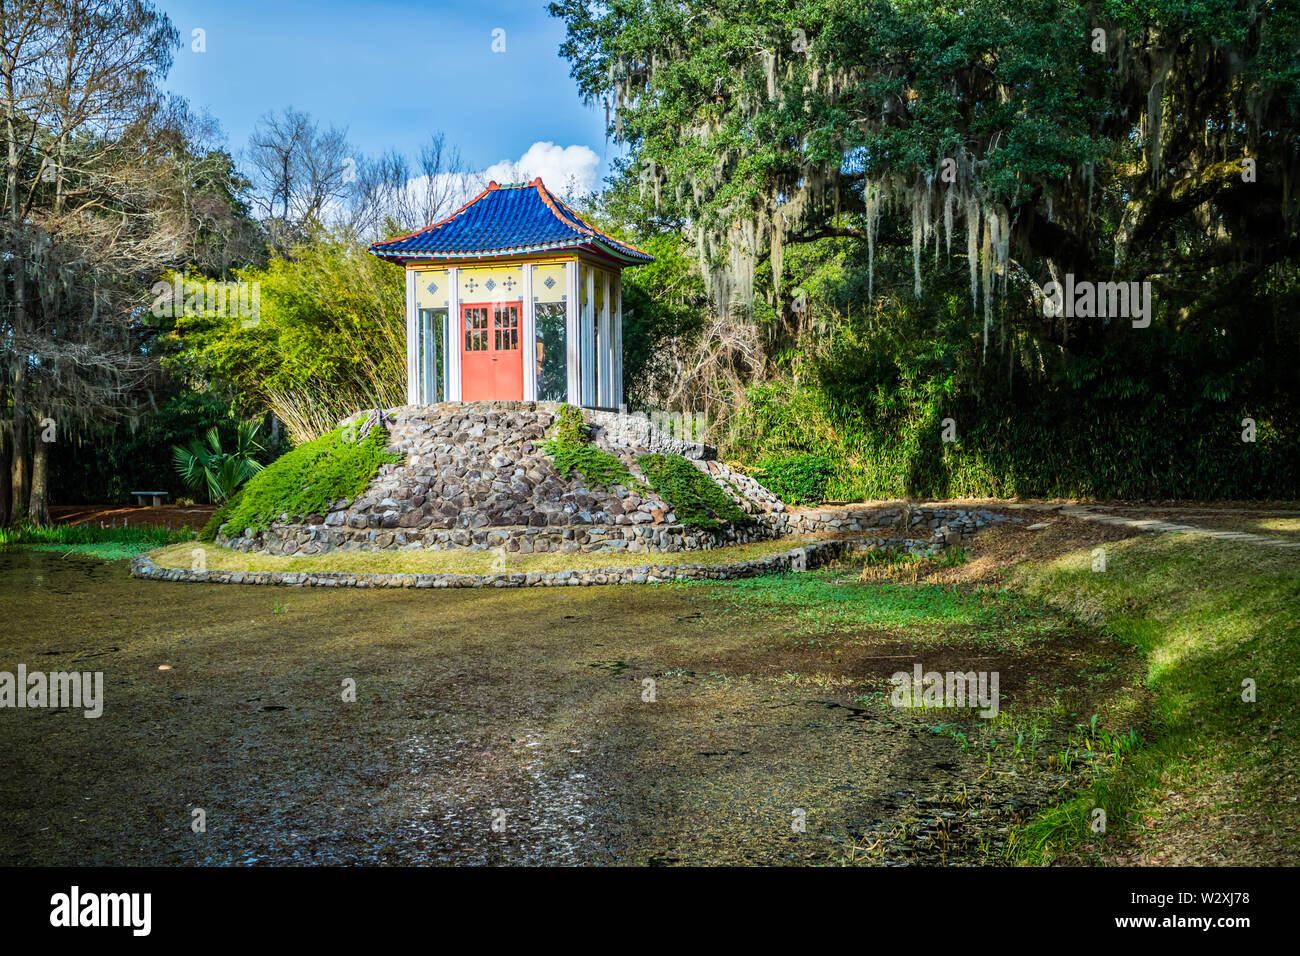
pixel 1085 139
pixel 331 337
pixel 299 168
pixel 214 197
pixel 864 175
pixel 81 118
pixel 392 196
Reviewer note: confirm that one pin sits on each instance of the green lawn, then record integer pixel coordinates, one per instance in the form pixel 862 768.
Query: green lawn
pixel 831 600
pixel 107 544
pixel 457 560
pixel 1218 779
pixel 1128 681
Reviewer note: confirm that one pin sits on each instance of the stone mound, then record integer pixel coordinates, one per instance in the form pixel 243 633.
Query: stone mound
pixel 475 475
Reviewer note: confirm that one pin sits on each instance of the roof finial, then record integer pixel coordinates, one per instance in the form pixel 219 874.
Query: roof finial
pixel 493 185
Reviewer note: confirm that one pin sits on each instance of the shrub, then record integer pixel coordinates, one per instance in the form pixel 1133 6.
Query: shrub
pixel 330 336
pixel 597 466
pixel 304 481
pixel 571 450
pixel 206 466
pixel 570 429
pixel 695 497
pixel 104 464
pixel 797 479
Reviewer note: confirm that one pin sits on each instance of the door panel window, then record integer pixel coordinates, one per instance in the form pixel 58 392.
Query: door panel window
pixel 476 329
pixel 506 326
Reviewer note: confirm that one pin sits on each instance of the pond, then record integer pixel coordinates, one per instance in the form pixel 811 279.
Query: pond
pixel 738 722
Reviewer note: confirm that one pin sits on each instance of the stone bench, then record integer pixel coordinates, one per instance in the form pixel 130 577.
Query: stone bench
pixel 158 497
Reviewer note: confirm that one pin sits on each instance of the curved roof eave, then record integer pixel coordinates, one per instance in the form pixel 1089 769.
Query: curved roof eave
pixel 549 209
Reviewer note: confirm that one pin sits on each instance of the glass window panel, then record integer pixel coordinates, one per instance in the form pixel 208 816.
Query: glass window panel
pixel 433 343
pixel 552 352
pixel 476 329
pixel 506 326
pixel 596 397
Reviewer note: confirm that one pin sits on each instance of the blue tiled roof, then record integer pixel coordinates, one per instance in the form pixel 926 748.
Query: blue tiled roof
pixel 507 220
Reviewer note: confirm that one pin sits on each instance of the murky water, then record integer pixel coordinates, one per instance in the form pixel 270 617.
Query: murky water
pixel 488 727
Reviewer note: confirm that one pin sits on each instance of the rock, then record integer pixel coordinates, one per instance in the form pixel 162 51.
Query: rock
pixel 478 467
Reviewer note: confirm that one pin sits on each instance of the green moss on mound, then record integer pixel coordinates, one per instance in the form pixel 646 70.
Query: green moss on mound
pixel 598 466
pixel 303 482
pixel 696 498
pixel 570 429
pixel 571 450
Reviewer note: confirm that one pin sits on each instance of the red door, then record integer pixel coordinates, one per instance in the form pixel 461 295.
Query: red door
pixel 491 360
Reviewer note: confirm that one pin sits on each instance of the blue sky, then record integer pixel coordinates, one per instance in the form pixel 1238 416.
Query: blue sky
pixel 392 73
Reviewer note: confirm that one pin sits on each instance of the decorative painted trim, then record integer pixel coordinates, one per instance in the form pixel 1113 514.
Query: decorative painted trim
pixel 540 259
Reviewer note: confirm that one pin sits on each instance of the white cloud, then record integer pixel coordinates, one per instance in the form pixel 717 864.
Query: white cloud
pixel 566 170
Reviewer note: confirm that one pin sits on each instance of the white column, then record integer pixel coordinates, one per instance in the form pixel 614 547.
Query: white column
pixel 448 334
pixel 618 340
pixel 412 343
pixel 528 334
pixel 422 323
pixel 454 335
pixel 572 333
pixel 589 341
pixel 605 397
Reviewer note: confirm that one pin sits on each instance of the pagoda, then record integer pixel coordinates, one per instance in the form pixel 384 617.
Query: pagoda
pixel 513 297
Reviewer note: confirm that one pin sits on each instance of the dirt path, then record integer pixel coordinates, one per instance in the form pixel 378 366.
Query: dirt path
pixel 1225 523
pixel 120 516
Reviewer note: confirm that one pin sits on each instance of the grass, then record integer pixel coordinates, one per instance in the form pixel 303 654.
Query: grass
pixel 836 600
pixel 1185 769
pixel 459 560
pixel 304 482
pixel 108 544
pixel 1277 527
pixel 1217 778
pixel 1289 527
pixel 1134 687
